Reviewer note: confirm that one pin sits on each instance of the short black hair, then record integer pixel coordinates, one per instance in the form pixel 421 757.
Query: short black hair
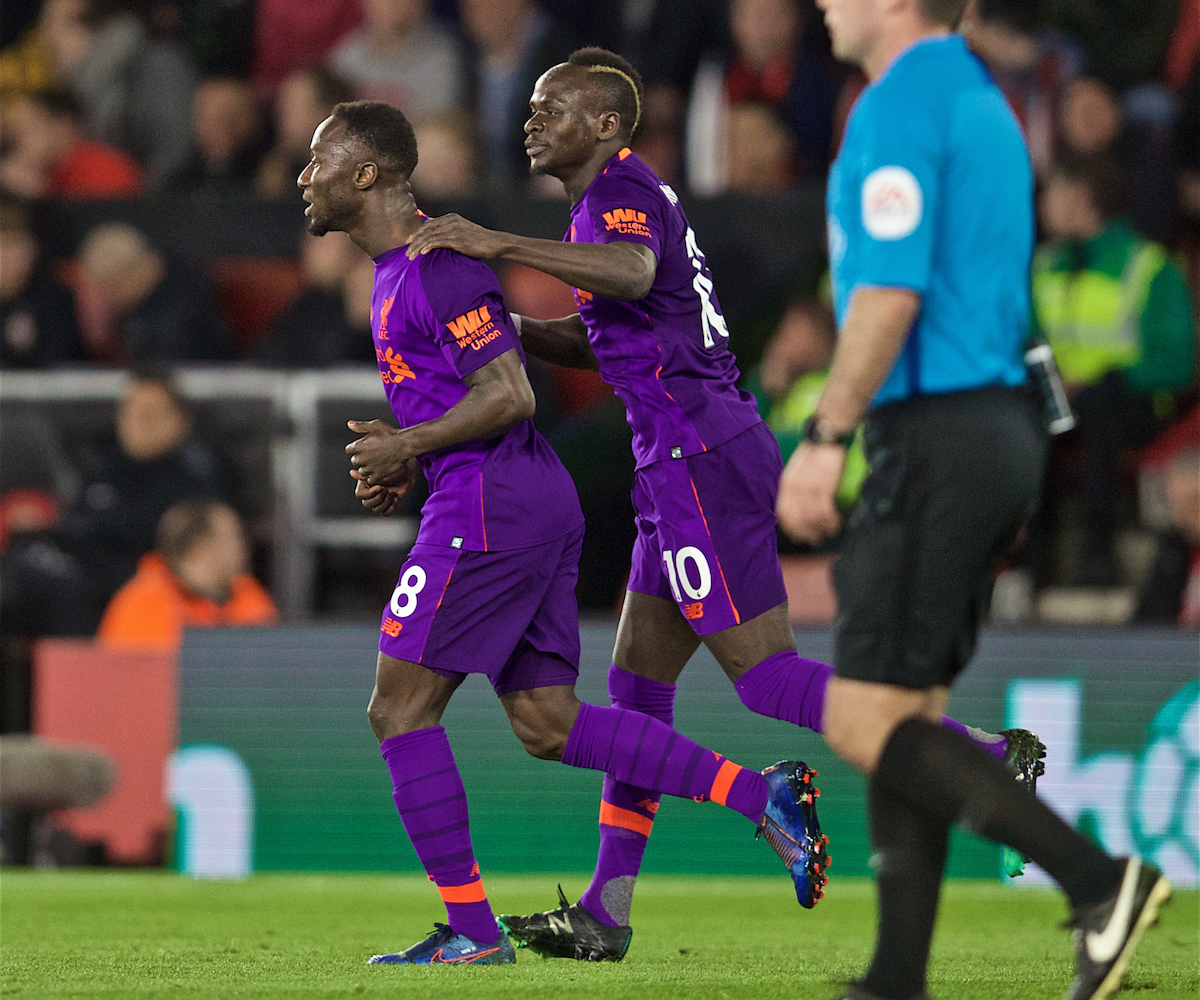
pixel 619 82
pixel 384 130
pixel 1103 176
pixel 183 525
pixel 947 12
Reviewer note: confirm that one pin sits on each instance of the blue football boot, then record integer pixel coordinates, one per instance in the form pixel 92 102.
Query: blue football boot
pixel 444 947
pixel 790 826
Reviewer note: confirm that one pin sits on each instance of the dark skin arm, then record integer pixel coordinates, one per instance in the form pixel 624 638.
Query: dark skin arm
pixel 611 270
pixel 560 341
pixel 498 397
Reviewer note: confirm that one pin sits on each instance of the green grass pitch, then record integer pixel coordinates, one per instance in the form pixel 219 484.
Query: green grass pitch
pixel 150 934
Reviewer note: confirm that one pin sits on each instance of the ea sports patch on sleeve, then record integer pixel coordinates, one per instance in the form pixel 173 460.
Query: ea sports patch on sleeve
pixel 892 203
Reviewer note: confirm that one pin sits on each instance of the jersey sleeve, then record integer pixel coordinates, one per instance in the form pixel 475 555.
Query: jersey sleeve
pixel 898 193
pixel 471 324
pixel 623 211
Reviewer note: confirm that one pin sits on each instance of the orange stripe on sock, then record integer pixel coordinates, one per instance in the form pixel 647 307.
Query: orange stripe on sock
pixel 724 781
pixel 627 819
pixel 472 892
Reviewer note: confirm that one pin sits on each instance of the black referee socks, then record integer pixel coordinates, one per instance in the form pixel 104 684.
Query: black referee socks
pixel 951 780
pixel 910 854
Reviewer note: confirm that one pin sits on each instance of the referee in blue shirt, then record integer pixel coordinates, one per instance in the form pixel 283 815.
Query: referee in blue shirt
pixel 931 232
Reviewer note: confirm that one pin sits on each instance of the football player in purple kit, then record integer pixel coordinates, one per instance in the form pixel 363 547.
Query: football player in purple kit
pixel 705 565
pixel 489 585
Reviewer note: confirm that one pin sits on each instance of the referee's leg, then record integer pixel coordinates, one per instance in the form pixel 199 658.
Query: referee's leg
pixel 912 582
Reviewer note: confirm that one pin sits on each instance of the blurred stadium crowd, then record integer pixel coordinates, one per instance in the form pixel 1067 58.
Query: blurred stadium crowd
pixel 149 219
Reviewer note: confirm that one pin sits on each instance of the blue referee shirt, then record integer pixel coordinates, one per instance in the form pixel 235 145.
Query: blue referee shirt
pixel 933 191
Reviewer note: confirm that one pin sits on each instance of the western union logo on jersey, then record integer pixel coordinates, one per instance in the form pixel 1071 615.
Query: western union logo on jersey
pixel 627 220
pixel 473 329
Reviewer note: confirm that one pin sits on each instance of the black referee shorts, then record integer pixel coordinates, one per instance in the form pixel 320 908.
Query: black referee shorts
pixel 953 478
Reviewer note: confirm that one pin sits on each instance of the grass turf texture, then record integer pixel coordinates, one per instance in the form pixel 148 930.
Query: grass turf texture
pixel 147 935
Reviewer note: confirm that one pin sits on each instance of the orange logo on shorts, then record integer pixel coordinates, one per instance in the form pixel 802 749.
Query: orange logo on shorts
pixel 391 627
pixel 692 611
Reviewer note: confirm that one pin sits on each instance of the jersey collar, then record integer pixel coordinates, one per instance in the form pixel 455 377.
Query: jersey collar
pixel 921 44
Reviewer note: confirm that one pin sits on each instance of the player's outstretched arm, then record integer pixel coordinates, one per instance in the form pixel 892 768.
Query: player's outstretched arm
pixel 619 270
pixel 560 341
pixel 498 396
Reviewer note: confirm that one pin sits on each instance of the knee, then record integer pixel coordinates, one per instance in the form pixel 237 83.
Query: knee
pixel 853 735
pixel 542 719
pixel 378 716
pixel 389 717
pixel 540 742
pixel 845 741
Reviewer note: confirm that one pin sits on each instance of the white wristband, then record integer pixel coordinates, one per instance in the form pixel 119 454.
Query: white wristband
pixel 515 319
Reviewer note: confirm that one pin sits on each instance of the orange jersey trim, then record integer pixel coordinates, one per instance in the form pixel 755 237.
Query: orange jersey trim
pixel 626 819
pixel 436 608
pixel 472 892
pixel 666 392
pixel 724 781
pixel 736 616
pixel 624 153
pixel 482 520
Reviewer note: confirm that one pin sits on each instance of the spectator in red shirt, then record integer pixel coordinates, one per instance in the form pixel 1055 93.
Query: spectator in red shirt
pixel 291 35
pixel 50 158
pixel 778 62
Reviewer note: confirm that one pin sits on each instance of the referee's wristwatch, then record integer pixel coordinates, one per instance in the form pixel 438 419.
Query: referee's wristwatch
pixel 816 430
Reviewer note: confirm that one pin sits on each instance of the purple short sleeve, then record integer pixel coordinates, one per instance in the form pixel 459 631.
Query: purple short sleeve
pixel 464 295
pixel 627 212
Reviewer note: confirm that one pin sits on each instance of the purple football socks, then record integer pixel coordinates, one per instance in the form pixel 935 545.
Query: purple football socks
pixel 428 792
pixel 642 751
pixel 786 686
pixel 992 743
pixel 626 811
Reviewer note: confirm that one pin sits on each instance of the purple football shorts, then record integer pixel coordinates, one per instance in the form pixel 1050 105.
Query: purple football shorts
pixel 510 615
pixel 706 532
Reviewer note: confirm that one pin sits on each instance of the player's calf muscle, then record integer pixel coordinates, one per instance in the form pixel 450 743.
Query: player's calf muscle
pixel 542 719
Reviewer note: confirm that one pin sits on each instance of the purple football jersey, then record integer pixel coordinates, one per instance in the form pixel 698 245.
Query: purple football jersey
pixel 435 320
pixel 667 356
